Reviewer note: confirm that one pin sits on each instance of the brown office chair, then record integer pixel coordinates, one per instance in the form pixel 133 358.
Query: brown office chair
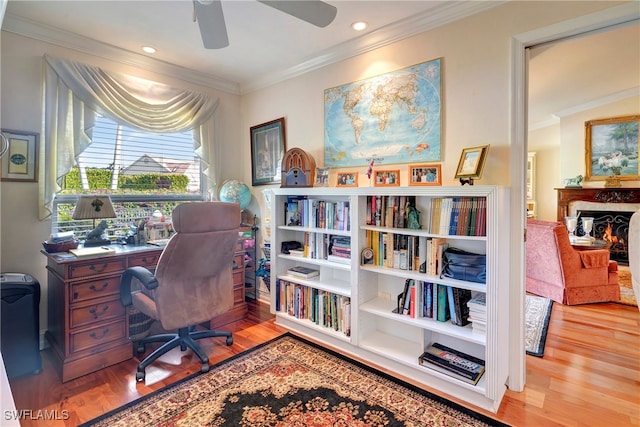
pixel 192 281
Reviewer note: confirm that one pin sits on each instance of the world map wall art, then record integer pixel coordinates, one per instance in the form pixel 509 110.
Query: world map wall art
pixel 391 118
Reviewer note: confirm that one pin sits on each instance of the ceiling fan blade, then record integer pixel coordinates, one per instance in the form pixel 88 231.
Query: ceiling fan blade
pixel 211 22
pixel 314 12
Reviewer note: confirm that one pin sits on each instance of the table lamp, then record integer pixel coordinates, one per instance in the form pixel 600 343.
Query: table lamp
pixel 95 207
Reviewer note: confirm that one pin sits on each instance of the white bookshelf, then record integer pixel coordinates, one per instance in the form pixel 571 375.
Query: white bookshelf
pixel 392 340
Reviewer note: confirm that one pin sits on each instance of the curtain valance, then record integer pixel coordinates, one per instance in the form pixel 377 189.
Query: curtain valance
pixel 75 92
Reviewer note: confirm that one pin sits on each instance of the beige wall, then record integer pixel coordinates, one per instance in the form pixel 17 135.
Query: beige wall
pixel 21 231
pixel 476 56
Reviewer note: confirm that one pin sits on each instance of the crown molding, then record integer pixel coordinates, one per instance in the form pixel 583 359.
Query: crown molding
pixel 48 34
pixel 595 103
pixel 446 13
pixel 420 23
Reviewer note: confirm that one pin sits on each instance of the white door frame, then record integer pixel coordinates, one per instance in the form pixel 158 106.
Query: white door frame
pixel 519 101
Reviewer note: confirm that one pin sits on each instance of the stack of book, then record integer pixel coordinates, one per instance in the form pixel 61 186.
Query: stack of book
pixel 452 362
pixel 478 313
pixel 339 249
pixel 303 272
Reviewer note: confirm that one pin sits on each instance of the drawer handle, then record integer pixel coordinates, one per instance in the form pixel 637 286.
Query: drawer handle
pixel 95 313
pixel 105 331
pixel 151 261
pixel 94 288
pixel 98 270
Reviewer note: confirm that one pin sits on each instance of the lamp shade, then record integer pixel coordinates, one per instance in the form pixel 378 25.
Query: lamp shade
pixel 94 207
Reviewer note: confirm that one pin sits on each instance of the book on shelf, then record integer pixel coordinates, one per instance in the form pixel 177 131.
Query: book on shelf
pixel 452 362
pixel 304 272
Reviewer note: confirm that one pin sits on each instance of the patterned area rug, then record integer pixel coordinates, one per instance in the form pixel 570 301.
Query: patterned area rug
pixel 537 316
pixel 627 296
pixel 291 382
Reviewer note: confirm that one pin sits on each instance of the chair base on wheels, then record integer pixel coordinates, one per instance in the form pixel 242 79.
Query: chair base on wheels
pixel 185 338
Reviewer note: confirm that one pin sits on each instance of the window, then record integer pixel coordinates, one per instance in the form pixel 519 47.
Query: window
pixel 142 171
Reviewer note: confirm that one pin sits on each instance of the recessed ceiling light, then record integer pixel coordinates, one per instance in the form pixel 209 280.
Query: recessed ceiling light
pixel 149 49
pixel 359 25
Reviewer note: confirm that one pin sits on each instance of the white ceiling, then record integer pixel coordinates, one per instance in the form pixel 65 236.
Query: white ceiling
pixel 267 46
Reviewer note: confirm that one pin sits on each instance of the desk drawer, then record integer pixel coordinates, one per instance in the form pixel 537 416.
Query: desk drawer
pixel 95 313
pixel 95 289
pixel 96 266
pixel 99 335
pixel 145 260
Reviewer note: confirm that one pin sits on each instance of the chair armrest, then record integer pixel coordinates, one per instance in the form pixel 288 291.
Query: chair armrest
pixel 145 277
pixel 594 259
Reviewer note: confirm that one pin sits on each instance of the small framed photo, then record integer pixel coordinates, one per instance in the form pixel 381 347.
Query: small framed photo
pixel 268 145
pixel 472 162
pixel 347 179
pixel 322 177
pixel 20 156
pixel 386 178
pixel 425 174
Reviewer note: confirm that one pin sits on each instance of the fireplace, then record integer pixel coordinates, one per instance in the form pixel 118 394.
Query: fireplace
pixel 611 209
pixel 612 226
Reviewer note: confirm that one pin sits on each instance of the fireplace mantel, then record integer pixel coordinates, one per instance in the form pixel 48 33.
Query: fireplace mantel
pixel 598 195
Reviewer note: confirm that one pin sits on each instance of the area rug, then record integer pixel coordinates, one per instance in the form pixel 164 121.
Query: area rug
pixel 627 296
pixel 537 315
pixel 291 382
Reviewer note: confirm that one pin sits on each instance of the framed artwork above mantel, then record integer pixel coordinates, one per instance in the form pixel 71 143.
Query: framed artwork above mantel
pixel 611 148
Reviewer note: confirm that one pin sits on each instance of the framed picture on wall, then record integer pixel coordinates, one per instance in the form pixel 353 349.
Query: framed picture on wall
pixel 386 178
pixel 268 145
pixel 612 148
pixel 347 179
pixel 20 156
pixel 425 174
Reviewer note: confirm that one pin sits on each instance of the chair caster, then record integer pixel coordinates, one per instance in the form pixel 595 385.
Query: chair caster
pixel 229 340
pixel 139 376
pixel 205 367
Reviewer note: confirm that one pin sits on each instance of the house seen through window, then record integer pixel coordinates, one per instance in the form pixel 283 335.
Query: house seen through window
pixel 143 172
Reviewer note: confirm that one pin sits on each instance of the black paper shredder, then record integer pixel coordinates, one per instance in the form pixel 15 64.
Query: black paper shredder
pixel 20 324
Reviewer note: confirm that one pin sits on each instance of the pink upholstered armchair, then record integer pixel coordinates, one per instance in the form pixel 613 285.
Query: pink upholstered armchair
pixel 559 272
pixel 192 282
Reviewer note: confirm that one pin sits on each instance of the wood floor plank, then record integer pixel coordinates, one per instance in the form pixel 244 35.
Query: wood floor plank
pixel 589 375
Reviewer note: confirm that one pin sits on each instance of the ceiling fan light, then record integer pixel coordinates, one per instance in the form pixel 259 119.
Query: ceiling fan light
pixel 359 25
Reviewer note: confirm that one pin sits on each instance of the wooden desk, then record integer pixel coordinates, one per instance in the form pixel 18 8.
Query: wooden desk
pixel 88 327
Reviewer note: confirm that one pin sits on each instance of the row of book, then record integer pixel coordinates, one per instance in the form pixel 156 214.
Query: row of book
pixel 434 301
pixel 461 216
pixel 305 212
pixel 453 362
pixel 388 211
pixel 406 252
pixel 321 307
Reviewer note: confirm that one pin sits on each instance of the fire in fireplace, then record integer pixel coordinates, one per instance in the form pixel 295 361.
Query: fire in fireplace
pixel 611 226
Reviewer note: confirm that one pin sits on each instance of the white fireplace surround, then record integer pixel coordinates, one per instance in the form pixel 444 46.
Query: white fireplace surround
pixel 581 205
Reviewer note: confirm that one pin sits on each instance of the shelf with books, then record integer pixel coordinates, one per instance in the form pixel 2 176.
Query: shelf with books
pixel 314 261
pixel 324 310
pixel 472 286
pixel 384 308
pixel 335 286
pixel 406 352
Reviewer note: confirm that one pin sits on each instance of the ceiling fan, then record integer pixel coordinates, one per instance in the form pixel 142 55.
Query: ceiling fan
pixel 210 18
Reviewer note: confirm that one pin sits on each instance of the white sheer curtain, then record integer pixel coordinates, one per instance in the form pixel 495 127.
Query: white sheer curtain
pixel 74 93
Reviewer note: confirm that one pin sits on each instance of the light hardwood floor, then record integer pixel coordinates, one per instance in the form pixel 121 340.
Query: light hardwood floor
pixel 589 375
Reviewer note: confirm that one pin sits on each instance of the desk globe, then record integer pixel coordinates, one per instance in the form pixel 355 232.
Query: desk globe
pixel 235 192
